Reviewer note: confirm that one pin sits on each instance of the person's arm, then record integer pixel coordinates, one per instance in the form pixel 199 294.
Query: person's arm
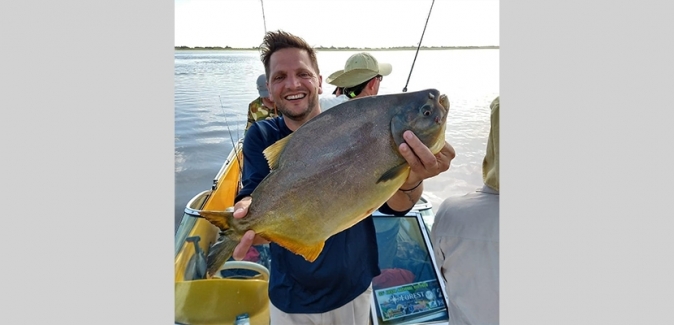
pixel 423 164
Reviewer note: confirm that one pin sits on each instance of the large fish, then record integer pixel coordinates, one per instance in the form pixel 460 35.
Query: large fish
pixel 333 172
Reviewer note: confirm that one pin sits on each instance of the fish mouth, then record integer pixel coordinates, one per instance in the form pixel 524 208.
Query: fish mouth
pixel 442 120
pixel 444 102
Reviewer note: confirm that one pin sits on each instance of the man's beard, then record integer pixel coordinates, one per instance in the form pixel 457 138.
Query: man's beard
pixel 298 116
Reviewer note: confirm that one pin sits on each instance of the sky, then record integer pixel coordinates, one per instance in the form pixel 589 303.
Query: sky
pixel 340 23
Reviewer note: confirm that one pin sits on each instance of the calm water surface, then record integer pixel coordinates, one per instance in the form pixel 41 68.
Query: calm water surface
pixel 213 89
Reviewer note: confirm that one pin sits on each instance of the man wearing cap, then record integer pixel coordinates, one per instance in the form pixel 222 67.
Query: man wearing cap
pixel 361 75
pixel 261 108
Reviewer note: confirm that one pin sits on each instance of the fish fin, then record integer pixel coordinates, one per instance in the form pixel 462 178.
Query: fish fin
pixel 220 252
pixel 395 172
pixel 273 152
pixel 218 218
pixel 310 253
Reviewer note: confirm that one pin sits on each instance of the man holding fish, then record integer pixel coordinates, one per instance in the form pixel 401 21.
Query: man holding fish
pixel 316 280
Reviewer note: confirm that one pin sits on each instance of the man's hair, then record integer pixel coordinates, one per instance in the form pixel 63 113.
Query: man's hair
pixel 277 40
pixel 354 91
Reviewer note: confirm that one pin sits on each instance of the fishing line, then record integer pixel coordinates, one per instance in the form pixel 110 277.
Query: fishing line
pixel 230 136
pixel 418 47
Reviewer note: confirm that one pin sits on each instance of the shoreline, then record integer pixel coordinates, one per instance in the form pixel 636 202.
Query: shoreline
pixel 399 48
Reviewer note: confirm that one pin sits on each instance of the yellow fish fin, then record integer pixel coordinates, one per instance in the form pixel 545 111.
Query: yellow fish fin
pixel 401 170
pixel 310 253
pixel 218 218
pixel 274 151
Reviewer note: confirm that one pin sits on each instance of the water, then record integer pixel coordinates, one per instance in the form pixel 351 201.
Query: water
pixel 213 89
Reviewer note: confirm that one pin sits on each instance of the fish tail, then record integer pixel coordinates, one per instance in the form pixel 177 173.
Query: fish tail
pixel 221 251
pixel 218 218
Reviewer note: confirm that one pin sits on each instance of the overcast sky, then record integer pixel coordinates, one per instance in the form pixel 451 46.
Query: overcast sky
pixel 355 23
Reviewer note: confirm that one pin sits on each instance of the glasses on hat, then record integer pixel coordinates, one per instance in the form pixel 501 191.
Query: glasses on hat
pixel 380 77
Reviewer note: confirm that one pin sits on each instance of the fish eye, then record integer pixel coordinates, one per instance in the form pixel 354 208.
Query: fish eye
pixel 426 110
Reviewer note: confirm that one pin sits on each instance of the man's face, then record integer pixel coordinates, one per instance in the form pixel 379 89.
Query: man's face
pixel 294 85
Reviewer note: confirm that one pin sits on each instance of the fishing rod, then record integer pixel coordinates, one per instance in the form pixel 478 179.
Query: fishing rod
pixel 264 20
pixel 231 138
pixel 418 47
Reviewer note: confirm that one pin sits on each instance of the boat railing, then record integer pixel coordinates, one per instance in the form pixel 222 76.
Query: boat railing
pixel 235 154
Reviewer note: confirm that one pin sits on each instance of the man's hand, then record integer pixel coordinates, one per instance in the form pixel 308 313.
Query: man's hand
pixel 424 164
pixel 249 238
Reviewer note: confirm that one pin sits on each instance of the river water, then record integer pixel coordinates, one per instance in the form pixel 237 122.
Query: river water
pixel 213 89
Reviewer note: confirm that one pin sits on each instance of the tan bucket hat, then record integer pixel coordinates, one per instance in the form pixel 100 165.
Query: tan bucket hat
pixel 359 68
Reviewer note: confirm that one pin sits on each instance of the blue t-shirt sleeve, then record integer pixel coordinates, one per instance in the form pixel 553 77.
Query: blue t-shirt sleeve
pixel 255 166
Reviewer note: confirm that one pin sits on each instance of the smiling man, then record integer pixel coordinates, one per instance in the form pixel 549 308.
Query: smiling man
pixel 336 287
pixel 295 84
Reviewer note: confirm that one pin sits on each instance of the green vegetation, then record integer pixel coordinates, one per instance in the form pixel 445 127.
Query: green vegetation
pixel 332 48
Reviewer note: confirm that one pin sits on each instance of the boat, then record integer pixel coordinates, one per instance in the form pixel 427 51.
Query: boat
pixel 410 289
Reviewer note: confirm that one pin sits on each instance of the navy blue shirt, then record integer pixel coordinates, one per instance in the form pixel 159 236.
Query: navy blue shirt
pixel 345 267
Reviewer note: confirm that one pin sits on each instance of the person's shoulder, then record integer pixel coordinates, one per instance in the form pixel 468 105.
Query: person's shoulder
pixel 466 205
pixel 454 203
pixel 256 102
pixel 262 130
pixel 460 200
pixel 275 123
pixel 328 102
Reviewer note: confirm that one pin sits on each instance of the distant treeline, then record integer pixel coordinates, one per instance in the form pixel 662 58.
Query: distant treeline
pixel 332 48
